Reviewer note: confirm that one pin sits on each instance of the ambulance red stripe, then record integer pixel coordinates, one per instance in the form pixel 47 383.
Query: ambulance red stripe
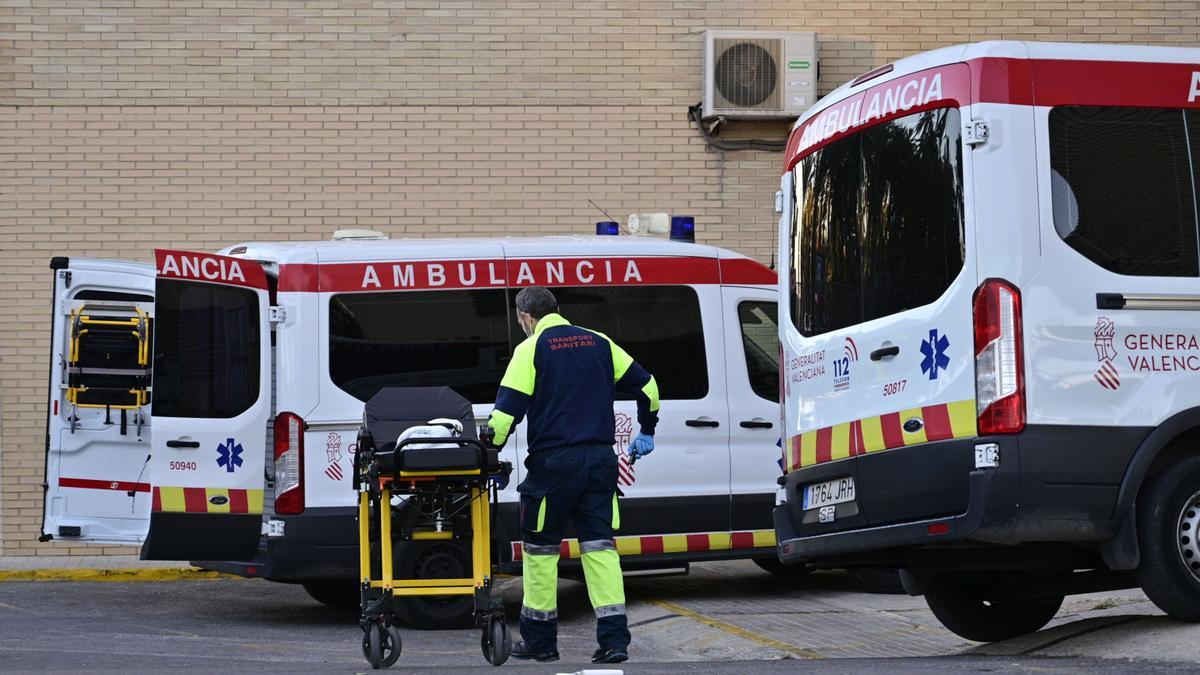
pixel 1011 81
pixel 423 275
pixel 893 435
pixel 824 444
pixel 937 423
pixel 195 500
pixel 93 484
pixel 697 542
pixel 238 503
pixel 652 545
pixel 742 540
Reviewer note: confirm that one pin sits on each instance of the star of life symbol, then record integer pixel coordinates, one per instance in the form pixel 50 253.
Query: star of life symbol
pixel 934 350
pixel 1107 374
pixel 333 451
pixel 624 429
pixel 229 455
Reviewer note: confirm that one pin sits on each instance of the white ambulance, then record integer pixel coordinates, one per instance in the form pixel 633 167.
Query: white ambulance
pixel 991 345
pixel 264 353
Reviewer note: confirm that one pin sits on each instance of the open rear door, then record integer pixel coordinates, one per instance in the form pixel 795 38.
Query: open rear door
pixel 97 479
pixel 211 402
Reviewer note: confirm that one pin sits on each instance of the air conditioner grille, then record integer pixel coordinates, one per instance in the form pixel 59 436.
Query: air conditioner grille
pixel 747 73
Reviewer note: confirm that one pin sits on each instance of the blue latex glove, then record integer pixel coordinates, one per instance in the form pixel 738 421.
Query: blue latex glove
pixel 641 446
pixel 500 480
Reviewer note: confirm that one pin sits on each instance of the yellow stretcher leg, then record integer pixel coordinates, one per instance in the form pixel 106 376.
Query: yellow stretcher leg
pixel 364 542
pixel 385 535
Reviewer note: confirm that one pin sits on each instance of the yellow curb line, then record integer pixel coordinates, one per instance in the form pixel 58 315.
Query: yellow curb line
pixel 737 630
pixel 113 574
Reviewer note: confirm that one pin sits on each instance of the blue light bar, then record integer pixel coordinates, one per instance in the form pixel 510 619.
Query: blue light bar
pixel 683 228
pixel 608 227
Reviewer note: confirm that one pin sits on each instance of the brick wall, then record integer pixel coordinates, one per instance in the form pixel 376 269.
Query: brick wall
pixel 130 124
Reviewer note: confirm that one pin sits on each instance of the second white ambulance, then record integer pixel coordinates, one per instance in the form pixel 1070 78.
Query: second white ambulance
pixel 990 330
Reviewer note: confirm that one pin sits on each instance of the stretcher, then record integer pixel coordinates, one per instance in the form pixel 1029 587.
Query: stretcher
pixel 421 487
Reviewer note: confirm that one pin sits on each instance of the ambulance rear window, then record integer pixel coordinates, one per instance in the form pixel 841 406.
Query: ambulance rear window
pixel 1122 183
pixel 455 338
pixel 206 350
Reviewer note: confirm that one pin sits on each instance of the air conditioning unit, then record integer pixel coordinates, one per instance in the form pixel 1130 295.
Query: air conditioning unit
pixel 759 74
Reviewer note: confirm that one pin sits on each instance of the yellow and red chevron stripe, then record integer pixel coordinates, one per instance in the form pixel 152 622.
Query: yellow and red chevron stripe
pixel 674 543
pixel 883 432
pixel 206 500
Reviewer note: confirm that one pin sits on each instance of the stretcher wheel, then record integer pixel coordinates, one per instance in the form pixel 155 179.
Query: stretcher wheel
pixel 381 645
pixel 495 641
pixel 373 645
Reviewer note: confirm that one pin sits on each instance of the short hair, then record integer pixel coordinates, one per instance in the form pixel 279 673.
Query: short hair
pixel 536 301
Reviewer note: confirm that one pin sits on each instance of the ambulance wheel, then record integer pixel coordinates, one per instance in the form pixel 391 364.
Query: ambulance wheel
pixel 340 594
pixel 434 560
pixel 776 566
pixel 987 610
pixel 1168 513
pixel 495 641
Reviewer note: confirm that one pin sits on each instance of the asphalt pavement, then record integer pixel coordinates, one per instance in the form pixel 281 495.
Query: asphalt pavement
pixel 723 618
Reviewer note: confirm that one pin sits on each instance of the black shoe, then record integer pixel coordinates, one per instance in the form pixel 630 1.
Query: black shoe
pixel 610 655
pixel 525 653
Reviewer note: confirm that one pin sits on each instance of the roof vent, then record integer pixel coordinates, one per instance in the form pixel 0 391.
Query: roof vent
pixel 358 235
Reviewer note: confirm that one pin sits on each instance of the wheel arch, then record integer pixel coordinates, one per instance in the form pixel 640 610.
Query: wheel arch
pixel 1176 437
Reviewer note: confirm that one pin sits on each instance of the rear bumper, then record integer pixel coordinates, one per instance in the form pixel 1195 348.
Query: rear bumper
pixel 1054 484
pixel 321 543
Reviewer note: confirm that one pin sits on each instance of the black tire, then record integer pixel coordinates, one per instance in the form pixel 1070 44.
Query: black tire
pixel 342 594
pixel 434 560
pixel 1168 513
pixel 391 646
pixel 778 567
pixel 883 580
pixel 495 642
pixel 985 609
pixel 373 645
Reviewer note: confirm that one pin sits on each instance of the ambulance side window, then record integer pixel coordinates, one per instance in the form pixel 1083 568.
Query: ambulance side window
pixel 760 343
pixel 659 326
pixel 1123 187
pixel 206 350
pixel 454 338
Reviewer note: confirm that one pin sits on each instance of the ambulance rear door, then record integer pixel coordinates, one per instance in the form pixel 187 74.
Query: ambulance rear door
pixel 97 479
pixel 211 402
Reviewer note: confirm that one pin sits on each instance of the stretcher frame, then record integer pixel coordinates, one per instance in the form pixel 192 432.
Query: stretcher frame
pixel 376 487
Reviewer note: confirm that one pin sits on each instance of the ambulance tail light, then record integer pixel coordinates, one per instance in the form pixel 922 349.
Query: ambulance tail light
pixel 999 359
pixel 289 463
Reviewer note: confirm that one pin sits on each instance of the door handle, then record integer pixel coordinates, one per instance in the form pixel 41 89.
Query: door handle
pixel 755 424
pixel 183 444
pixel 884 352
pixel 703 423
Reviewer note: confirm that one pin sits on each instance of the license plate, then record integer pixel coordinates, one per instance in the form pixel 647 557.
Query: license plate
pixel 829 492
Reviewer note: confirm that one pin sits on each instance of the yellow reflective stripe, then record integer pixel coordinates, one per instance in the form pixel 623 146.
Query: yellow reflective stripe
pixel 650 389
pixel 521 373
pixel 872 428
pixel 540 581
pixel 573 550
pixel 840 447
pixel 720 541
pixel 501 423
pixel 620 358
pixel 629 545
pixel 962 418
pixel 808 448
pixel 602 572
pixel 675 543
pixel 172 499
pixel 616 517
pixel 764 538
pixel 541 521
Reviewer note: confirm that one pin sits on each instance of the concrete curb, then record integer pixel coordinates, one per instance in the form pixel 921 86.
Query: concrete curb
pixel 115 574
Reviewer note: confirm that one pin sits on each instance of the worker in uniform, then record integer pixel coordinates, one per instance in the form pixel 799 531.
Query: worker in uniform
pixel 563 378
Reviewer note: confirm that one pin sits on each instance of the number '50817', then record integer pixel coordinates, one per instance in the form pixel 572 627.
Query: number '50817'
pixel 894 388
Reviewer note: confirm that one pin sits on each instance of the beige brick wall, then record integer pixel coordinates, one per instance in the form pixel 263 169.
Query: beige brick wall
pixel 129 124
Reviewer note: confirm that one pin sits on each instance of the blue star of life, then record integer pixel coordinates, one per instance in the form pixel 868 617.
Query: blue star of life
pixel 934 350
pixel 229 455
